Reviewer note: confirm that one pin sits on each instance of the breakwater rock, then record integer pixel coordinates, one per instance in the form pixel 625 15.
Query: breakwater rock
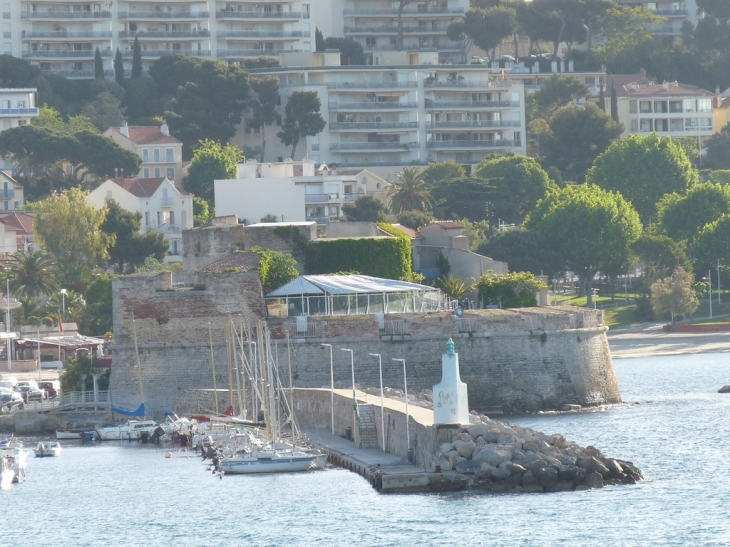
pixel 505 458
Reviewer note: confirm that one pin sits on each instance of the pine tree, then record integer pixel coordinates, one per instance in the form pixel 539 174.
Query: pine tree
pixel 614 104
pixel 119 67
pixel 136 59
pixel 98 65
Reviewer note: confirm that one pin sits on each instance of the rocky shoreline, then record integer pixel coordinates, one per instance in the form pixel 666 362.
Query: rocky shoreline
pixel 503 458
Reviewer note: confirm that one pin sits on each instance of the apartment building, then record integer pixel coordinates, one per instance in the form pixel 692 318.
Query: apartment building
pixel 161 153
pixel 374 24
pixel 675 13
pixel 17 107
pixel 670 109
pixel 382 117
pixel 62 37
pixel 289 191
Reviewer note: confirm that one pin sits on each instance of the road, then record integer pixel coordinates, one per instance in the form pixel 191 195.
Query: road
pixel 649 340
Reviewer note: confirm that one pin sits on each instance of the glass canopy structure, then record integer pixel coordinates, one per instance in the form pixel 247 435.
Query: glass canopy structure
pixel 310 295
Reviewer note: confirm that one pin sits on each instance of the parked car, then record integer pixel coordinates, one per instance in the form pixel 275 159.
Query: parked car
pixel 52 388
pixel 30 391
pixel 10 398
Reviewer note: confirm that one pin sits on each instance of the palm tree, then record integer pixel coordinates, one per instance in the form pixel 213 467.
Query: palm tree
pixel 410 192
pixel 33 273
pixel 455 287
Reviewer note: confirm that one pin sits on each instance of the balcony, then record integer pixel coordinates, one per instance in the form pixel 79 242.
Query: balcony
pixel 237 53
pixel 372 85
pixel 169 15
pixel 408 11
pixel 352 197
pixel 456 83
pixel 394 30
pixel 15 112
pixel 55 54
pixel 321 198
pixel 380 146
pixel 7 194
pixel 373 105
pixel 259 34
pixel 166 202
pixel 62 35
pixel 486 124
pixel 77 74
pixel 430 103
pixel 142 35
pixel 157 53
pixel 451 46
pixel 472 144
pixel 371 126
pixel 62 15
pixel 229 14
pixel 663 12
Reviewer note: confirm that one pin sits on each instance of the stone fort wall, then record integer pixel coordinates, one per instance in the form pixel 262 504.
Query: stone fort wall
pixel 512 360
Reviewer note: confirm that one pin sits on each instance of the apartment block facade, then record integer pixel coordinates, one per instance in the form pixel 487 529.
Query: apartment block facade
pixel 674 12
pixel 384 117
pixel 17 107
pixel 62 37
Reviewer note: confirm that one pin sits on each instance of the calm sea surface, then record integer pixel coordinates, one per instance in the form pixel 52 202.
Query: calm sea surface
pixel 675 427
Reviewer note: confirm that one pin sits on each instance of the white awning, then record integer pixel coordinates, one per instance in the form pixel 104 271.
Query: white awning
pixel 345 284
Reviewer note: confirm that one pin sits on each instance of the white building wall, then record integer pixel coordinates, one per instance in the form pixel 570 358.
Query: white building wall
pixel 252 199
pixel 17 107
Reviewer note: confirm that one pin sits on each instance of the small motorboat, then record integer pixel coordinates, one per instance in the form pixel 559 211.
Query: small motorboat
pixel 75 434
pixel 132 430
pixel 43 450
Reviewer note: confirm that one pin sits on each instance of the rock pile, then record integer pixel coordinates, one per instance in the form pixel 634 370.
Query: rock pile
pixel 504 458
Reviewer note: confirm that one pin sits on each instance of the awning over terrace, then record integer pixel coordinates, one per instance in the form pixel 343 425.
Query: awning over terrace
pixel 351 295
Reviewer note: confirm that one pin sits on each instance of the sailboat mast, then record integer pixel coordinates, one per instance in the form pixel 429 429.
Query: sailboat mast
pixel 235 368
pixel 212 366
pixel 230 359
pixel 244 369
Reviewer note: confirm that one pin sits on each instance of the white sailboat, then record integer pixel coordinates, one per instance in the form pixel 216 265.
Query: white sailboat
pixel 257 457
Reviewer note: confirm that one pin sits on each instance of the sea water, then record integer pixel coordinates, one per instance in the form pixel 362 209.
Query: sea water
pixel 673 426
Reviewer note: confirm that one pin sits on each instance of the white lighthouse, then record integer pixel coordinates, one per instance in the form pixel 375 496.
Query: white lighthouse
pixel 450 398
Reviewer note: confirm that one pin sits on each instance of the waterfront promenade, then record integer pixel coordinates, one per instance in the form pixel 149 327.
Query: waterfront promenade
pixel 650 340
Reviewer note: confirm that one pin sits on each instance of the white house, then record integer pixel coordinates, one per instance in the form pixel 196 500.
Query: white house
pixel 165 208
pixel 161 153
pixel 11 192
pixel 290 191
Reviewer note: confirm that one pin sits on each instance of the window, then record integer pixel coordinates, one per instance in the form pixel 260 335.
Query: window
pixel 146 172
pixel 645 107
pixel 147 218
pixel 7 48
pixel 184 218
pixel 169 154
pixel 704 105
pixel 159 218
pixel 172 218
pixel 705 123
pixel 157 172
pixel 634 125
pixel 109 194
pixel 370 41
pixel 164 193
pixel 171 173
pixel 156 154
pixel 690 105
pixel 675 107
pixel 21 104
pixel 145 155
pixel 632 107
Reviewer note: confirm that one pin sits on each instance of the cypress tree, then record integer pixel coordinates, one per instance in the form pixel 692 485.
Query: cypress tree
pixel 119 67
pixel 614 104
pixel 319 40
pixel 98 65
pixel 601 100
pixel 136 59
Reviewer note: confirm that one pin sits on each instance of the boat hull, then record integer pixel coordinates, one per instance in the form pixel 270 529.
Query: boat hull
pixel 247 466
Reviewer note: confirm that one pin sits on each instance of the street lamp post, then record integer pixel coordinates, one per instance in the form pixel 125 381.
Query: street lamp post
pixel 354 397
pixel 408 419
pixel 332 388
pixel 382 404
pixel 63 301
pixel 709 280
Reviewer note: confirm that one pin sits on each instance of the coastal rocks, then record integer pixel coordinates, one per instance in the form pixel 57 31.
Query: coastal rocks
pixel 724 389
pixel 502 458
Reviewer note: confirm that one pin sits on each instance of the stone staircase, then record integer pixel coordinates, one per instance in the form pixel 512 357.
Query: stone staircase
pixel 368 431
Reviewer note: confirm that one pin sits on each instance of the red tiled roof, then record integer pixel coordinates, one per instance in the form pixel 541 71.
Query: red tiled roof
pixel 672 89
pixel 144 188
pixel 147 134
pixel 449 225
pixel 20 222
pixel 244 261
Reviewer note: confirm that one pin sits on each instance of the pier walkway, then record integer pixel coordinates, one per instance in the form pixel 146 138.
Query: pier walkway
pixel 386 472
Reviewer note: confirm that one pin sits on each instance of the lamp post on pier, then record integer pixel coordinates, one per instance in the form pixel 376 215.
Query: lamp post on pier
pixel 408 420
pixel 382 405
pixel 332 388
pixel 354 396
